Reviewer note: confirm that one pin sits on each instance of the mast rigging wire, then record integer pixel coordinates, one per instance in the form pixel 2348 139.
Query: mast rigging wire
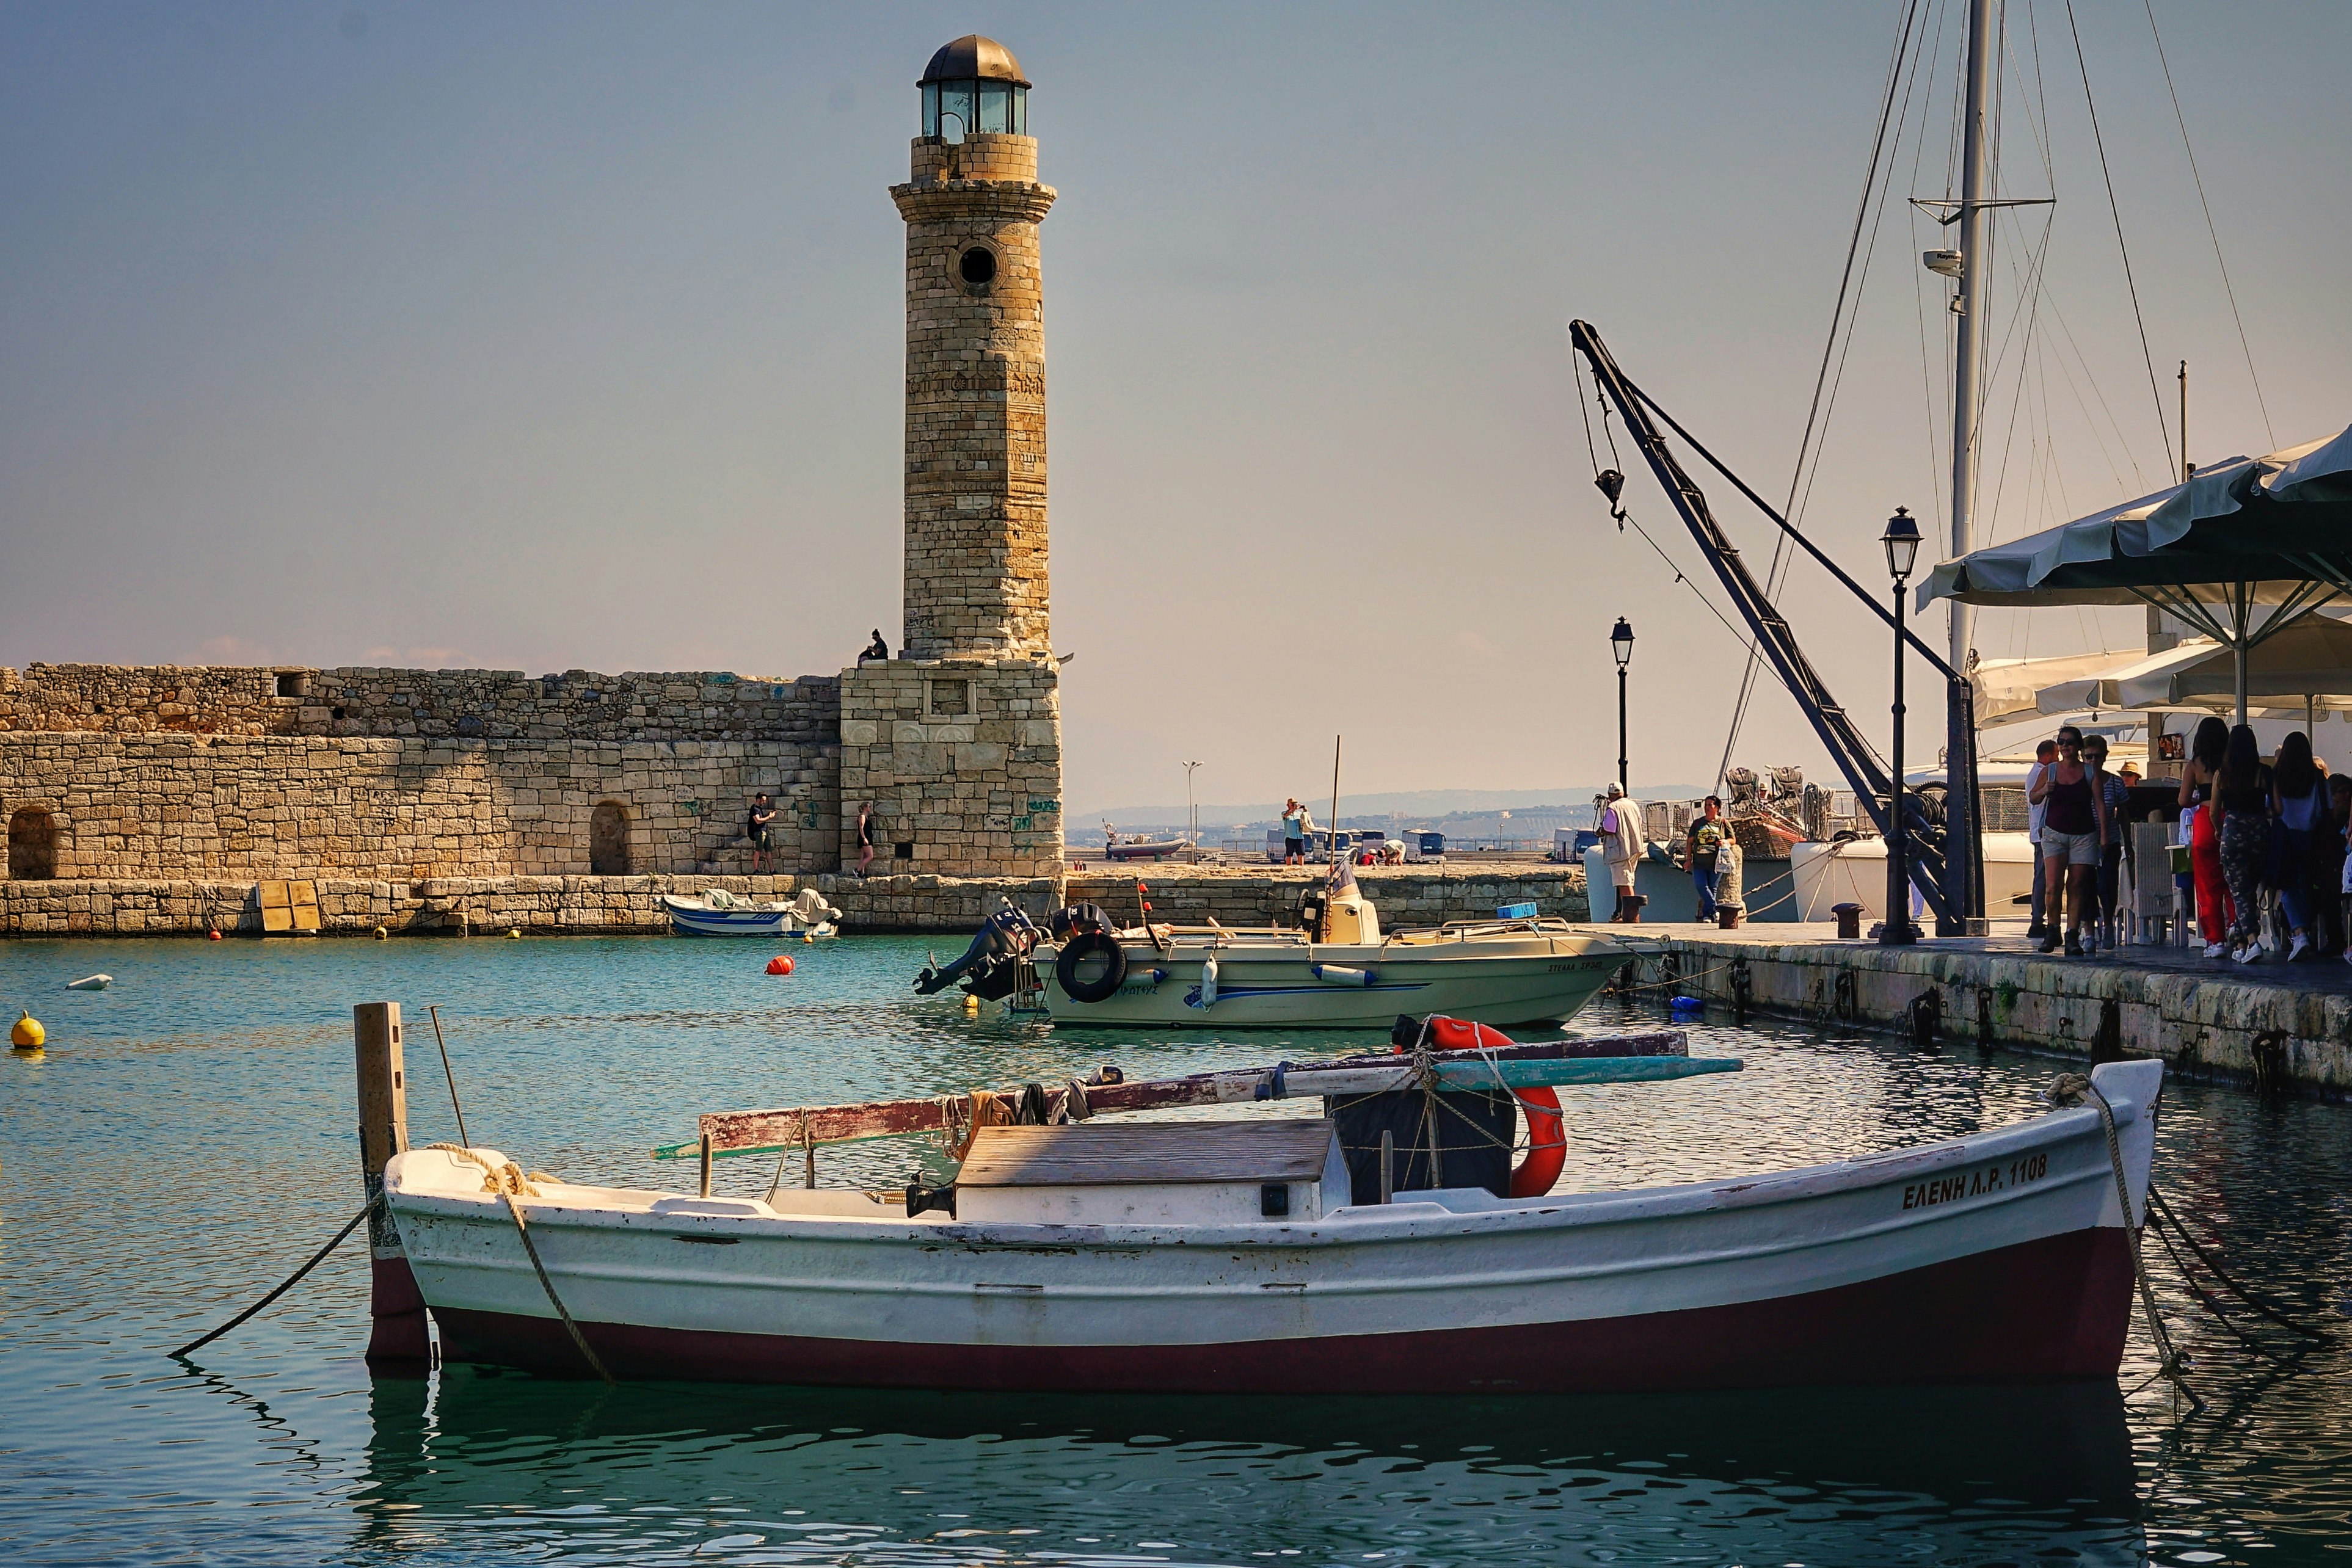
pixel 2116 211
pixel 2211 231
pixel 1881 157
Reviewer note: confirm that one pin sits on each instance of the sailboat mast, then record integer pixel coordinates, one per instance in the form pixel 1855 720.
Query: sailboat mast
pixel 1976 278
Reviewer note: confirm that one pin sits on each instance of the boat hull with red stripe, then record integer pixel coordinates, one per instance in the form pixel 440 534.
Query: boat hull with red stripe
pixel 1999 1256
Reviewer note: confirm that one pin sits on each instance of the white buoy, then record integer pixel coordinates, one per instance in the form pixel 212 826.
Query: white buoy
pixel 91 983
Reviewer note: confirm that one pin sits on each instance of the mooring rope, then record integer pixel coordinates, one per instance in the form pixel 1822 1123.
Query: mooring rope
pixel 1695 974
pixel 580 1339
pixel 292 1279
pixel 509 1182
pixel 2168 1223
pixel 2068 1090
pixel 2220 1314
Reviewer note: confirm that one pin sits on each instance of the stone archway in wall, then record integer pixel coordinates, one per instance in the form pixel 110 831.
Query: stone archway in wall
pixel 608 839
pixel 32 844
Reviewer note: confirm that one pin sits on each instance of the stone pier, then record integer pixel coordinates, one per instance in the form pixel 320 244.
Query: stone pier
pixel 631 905
pixel 2268 1024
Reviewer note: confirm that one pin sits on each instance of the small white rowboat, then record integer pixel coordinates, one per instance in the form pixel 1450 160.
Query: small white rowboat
pixel 719 912
pixel 1198 1258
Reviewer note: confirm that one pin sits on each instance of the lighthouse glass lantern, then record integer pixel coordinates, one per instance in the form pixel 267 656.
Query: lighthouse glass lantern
pixel 974 86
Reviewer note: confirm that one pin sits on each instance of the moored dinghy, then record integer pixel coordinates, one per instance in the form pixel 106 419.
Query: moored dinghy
pixel 719 912
pixel 1238 1256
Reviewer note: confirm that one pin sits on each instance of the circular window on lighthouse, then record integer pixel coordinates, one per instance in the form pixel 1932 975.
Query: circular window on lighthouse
pixel 977 267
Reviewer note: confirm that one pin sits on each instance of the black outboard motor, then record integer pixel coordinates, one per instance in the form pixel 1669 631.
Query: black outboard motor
pixel 987 965
pixel 1080 918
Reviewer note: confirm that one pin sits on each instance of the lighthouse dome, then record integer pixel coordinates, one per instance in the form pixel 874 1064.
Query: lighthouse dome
pixel 972 84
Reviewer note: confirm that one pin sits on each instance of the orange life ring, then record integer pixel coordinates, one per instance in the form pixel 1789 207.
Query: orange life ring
pixel 1546 1129
pixel 1546 1143
pixel 1460 1034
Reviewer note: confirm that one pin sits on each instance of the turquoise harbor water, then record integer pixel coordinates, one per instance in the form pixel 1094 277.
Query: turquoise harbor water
pixel 188 1140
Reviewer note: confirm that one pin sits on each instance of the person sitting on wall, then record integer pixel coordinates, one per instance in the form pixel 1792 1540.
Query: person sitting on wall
pixel 864 836
pixel 755 827
pixel 876 652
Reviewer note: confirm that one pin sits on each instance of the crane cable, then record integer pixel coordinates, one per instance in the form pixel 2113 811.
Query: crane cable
pixel 1616 510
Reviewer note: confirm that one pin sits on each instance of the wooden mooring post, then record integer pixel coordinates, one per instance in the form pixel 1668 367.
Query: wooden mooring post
pixel 395 1306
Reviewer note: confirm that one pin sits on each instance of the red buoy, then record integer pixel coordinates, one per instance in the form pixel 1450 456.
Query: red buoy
pixel 779 965
pixel 214 933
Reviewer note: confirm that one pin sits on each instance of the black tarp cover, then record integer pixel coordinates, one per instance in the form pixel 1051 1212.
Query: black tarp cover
pixel 1473 1134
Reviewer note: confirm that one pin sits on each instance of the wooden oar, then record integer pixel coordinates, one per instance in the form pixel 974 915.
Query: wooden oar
pixel 737 1133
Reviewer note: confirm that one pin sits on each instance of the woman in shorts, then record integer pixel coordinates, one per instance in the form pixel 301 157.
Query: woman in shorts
pixel 2073 829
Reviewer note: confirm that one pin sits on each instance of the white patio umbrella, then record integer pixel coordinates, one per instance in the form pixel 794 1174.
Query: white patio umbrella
pixel 2104 688
pixel 2007 687
pixel 2242 552
pixel 2309 661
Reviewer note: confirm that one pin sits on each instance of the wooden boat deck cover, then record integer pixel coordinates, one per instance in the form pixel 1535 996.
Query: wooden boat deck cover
pixel 1091 1154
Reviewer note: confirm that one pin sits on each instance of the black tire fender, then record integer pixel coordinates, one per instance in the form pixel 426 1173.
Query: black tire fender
pixel 1081 945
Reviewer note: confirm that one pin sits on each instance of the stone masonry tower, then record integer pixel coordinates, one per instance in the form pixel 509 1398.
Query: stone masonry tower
pixel 956 743
pixel 975 460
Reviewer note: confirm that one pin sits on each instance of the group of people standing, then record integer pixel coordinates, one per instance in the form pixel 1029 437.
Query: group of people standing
pixel 2257 829
pixel 2077 828
pixel 2252 829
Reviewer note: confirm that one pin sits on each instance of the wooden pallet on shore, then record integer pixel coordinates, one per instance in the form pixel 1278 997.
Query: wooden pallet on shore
pixel 288 908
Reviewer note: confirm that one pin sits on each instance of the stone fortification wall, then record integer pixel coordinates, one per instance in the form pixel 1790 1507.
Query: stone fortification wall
pixel 962 761
pixel 488 705
pixel 164 806
pixel 617 905
pixel 1403 895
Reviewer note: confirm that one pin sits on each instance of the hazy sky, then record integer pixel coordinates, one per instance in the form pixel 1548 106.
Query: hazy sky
pixel 552 336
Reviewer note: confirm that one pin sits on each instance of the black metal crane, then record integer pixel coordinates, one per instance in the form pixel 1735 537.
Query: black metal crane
pixel 1946 858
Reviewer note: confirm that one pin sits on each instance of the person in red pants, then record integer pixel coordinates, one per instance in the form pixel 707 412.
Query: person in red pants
pixel 2215 912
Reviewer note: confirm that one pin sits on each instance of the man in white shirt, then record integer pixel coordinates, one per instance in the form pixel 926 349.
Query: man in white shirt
pixel 1622 845
pixel 2045 758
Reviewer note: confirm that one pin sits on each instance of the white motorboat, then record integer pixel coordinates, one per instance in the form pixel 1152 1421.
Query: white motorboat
pixel 1238 1256
pixel 1853 871
pixel 1336 970
pixel 1499 972
pixel 719 912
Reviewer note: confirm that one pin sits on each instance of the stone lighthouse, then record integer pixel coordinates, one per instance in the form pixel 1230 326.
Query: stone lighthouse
pixel 956 742
pixel 976 577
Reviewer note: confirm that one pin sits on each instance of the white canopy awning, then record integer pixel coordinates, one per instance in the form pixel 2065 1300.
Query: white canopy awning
pixel 2006 688
pixel 2310 659
pixel 2104 688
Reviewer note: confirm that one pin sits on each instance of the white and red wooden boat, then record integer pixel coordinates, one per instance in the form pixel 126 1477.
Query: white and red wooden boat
pixel 1156 1258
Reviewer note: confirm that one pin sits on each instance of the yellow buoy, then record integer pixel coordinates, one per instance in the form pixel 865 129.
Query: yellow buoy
pixel 514 934
pixel 28 1034
pixel 970 1006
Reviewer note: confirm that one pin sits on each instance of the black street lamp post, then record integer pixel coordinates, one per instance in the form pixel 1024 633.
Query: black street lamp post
pixel 1902 541
pixel 1621 642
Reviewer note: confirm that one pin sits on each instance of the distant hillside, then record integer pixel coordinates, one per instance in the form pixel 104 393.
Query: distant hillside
pixel 1458 813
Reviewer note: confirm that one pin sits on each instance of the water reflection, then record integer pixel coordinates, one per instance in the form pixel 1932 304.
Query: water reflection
pixel 496 1462
pixel 187 1142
